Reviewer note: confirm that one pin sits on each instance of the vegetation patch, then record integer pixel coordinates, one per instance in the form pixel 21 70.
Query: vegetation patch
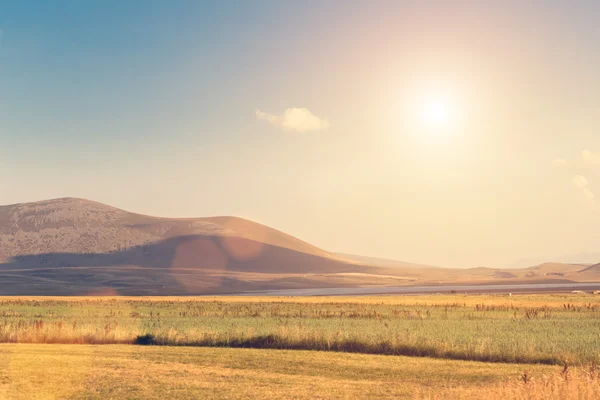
pixel 544 329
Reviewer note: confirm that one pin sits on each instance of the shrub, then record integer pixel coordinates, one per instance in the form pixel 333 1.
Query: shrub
pixel 145 340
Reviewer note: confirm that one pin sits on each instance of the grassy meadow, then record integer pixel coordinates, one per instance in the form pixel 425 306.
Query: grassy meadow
pixel 156 372
pixel 547 329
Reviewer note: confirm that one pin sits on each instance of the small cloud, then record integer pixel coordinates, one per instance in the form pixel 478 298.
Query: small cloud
pixel 559 162
pixel 589 195
pixel 580 182
pixel 586 159
pixel 589 158
pixel 294 119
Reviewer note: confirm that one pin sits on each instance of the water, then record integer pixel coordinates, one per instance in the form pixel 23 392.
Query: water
pixel 516 288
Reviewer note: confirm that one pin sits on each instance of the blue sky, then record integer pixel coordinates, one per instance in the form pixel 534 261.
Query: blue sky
pixel 152 106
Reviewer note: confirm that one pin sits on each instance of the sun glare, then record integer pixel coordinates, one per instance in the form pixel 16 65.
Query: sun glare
pixel 438 113
pixel 435 112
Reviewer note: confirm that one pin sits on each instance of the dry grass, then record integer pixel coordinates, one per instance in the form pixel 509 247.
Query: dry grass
pixel 138 372
pixel 521 300
pixel 517 329
pixel 134 372
pixel 542 328
pixel 578 384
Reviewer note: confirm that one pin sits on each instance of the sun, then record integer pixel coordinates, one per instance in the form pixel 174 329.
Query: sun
pixel 437 113
pixel 432 112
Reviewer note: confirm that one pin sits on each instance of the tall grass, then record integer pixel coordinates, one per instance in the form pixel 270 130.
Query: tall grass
pixel 500 331
pixel 578 384
pixel 295 339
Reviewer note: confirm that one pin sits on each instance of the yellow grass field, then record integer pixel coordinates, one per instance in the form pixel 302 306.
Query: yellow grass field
pixel 304 347
pixel 520 300
pixel 136 372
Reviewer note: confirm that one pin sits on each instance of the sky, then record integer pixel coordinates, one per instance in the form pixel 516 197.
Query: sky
pixel 457 134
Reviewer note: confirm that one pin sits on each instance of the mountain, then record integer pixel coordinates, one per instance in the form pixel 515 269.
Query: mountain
pixel 83 226
pixel 77 246
pixel 73 246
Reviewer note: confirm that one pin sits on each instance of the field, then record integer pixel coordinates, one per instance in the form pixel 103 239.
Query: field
pixel 550 329
pixel 136 372
pixel 223 347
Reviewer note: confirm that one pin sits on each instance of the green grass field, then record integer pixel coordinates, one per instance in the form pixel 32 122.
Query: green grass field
pixel 550 329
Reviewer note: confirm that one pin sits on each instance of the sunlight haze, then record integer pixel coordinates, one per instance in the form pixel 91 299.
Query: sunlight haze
pixel 454 135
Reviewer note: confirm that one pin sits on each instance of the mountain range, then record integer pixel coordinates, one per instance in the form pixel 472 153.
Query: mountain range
pixel 71 246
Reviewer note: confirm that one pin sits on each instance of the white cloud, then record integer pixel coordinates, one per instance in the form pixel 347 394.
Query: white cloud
pixel 589 195
pixel 586 159
pixel 559 162
pixel 580 182
pixel 589 159
pixel 294 119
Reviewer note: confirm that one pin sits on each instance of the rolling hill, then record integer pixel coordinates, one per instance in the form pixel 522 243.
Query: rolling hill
pixel 74 246
pixel 82 226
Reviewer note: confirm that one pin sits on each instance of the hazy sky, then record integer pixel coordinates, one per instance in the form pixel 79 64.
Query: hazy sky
pixel 449 133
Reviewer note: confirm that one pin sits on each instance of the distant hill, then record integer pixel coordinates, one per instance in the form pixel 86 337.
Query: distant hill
pixel 73 246
pixel 590 273
pixel 591 268
pixel 381 262
pixel 577 258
